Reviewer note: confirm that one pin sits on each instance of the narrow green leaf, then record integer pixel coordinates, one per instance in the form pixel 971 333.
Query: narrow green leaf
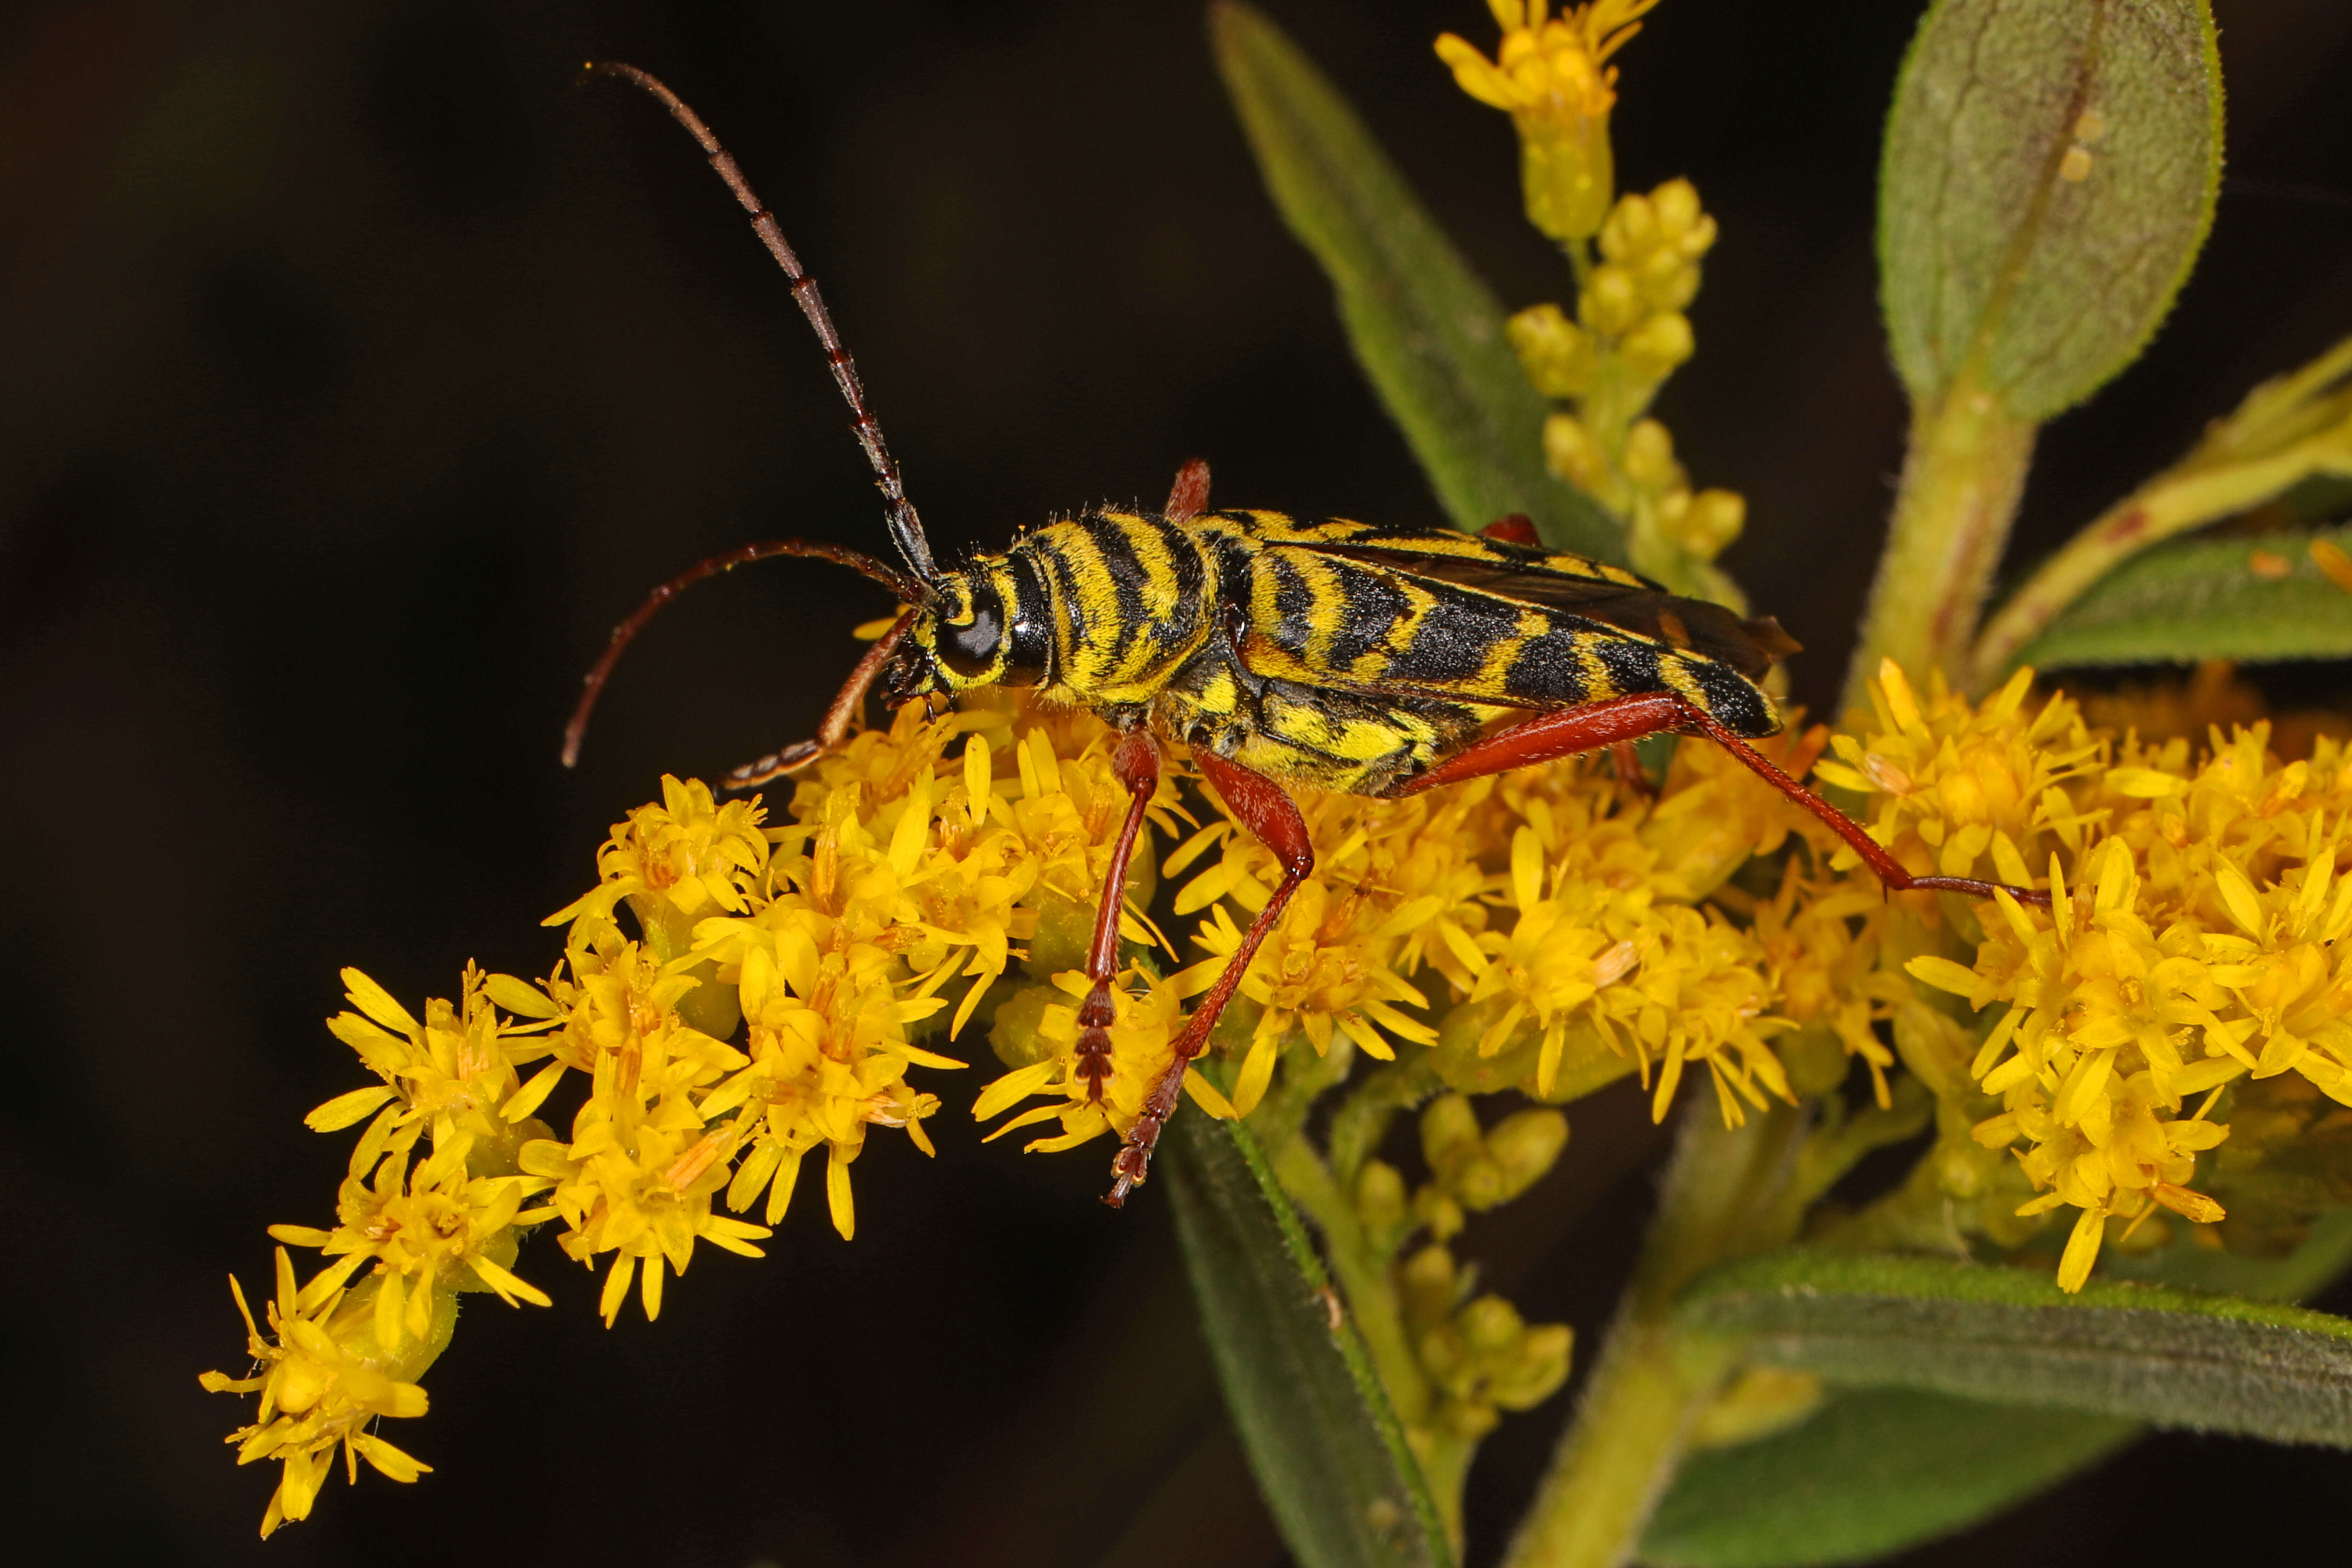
pixel 2175 1358
pixel 1326 1448
pixel 2049 173
pixel 1877 1470
pixel 1428 331
pixel 1874 1472
pixel 2251 598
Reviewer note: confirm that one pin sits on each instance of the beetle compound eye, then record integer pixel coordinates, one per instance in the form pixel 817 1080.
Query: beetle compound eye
pixel 970 650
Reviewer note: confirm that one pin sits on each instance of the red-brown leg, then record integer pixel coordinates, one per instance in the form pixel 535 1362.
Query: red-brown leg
pixel 1188 496
pixel 1628 765
pixel 1136 765
pixel 1562 732
pixel 1549 736
pixel 1272 816
pixel 837 717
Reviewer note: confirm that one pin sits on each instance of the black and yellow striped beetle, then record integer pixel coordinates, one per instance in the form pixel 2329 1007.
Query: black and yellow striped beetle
pixel 1278 653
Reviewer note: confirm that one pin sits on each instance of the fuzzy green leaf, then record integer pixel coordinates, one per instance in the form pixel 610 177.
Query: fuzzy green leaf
pixel 2175 1358
pixel 1428 331
pixel 1321 1438
pixel 1878 1471
pixel 1874 1472
pixel 2264 597
pixel 2049 173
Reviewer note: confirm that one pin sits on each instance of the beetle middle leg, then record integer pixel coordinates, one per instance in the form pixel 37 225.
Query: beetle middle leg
pixel 1272 816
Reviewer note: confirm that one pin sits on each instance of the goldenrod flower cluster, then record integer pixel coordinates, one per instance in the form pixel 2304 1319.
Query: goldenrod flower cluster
pixel 1552 75
pixel 2197 908
pixel 1630 331
pixel 340 1355
pixel 910 871
pixel 772 988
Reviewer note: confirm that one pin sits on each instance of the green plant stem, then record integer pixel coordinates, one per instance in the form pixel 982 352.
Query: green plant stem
pixel 1363 1118
pixel 1724 1195
pixel 1961 480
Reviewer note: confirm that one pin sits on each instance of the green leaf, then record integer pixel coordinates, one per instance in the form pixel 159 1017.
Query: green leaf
pixel 2251 598
pixel 1877 1470
pixel 1326 1450
pixel 1873 1471
pixel 2175 1358
pixel 2049 173
pixel 1428 331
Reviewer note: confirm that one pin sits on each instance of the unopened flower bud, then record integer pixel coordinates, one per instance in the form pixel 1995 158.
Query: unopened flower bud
pixel 1478 1183
pixel 1425 1280
pixel 1652 349
pixel 1449 1133
pixel 1668 282
pixel 1012 1034
pixel 1438 1211
pixel 1443 1355
pixel 1676 207
pixel 1650 455
pixel 1570 452
pixel 1536 1368
pixel 1555 351
pixel 1704 523
pixel 1380 1195
pixel 1524 1145
pixel 1611 301
pixel 1630 231
pixel 1489 1326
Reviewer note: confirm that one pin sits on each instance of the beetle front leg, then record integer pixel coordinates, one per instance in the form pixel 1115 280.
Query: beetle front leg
pixel 1273 817
pixel 837 717
pixel 1136 765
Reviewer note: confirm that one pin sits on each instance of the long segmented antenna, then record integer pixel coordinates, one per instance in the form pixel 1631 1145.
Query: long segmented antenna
pixel 908 590
pixel 906 528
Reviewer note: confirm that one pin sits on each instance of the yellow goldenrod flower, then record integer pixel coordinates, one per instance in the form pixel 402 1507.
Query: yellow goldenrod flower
pixel 1142 1036
pixel 1396 883
pixel 454 1073
pixel 1552 75
pixel 828 1058
pixel 433 1228
pixel 1600 941
pixel 675 863
pixel 1967 790
pixel 323 1377
pixel 2193 941
pixel 638 1173
pixel 1821 945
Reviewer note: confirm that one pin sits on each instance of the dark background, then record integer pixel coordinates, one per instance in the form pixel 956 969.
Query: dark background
pixel 358 369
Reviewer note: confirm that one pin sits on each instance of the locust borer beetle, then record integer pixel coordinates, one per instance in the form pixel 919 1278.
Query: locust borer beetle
pixel 1278 653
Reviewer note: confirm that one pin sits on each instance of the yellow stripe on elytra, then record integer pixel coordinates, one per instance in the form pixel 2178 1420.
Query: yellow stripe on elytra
pixel 1675 672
